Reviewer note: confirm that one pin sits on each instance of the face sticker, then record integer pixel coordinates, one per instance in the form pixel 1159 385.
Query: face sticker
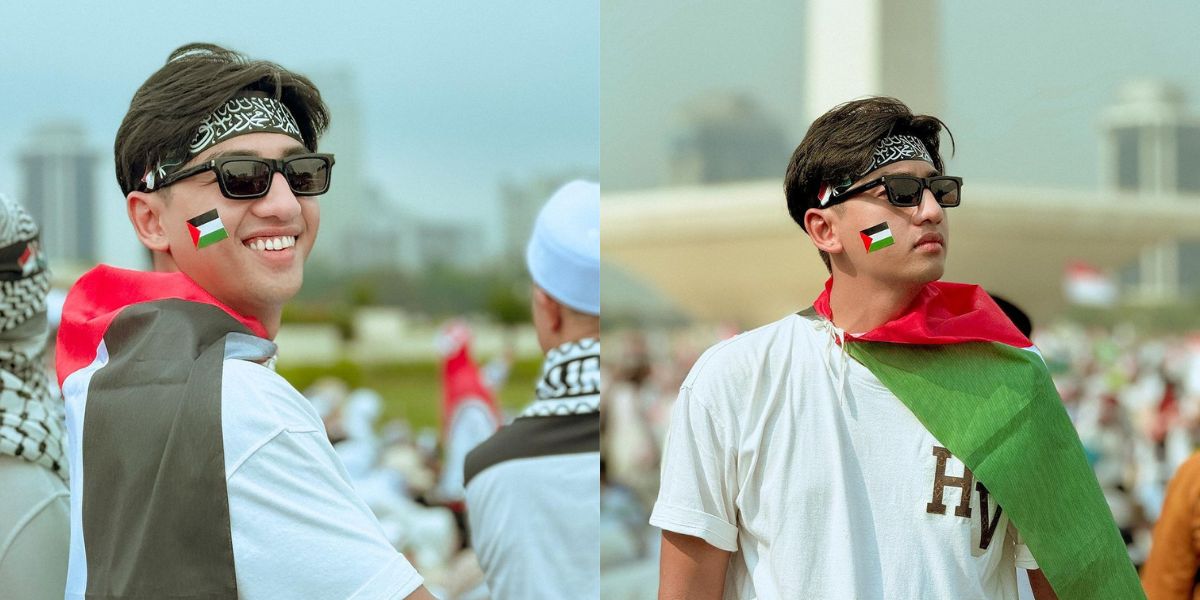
pixel 206 229
pixel 877 237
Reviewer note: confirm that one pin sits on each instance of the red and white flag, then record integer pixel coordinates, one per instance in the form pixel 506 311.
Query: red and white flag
pixel 470 414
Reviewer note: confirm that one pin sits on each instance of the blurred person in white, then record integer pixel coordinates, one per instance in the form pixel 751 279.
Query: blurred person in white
pixel 864 447
pixel 533 489
pixel 201 473
pixel 34 506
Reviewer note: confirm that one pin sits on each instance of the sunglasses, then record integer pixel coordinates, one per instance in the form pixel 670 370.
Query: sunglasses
pixel 906 190
pixel 249 177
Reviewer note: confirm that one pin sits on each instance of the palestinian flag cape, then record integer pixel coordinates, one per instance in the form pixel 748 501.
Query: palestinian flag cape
pixel 139 359
pixel 976 383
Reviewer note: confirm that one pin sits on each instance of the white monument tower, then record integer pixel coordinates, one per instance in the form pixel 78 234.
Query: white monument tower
pixel 861 48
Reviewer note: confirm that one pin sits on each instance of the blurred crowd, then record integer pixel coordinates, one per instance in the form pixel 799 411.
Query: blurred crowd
pixel 395 471
pixel 1134 399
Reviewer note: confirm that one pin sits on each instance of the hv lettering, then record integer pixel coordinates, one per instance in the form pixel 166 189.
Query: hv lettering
pixel 967 485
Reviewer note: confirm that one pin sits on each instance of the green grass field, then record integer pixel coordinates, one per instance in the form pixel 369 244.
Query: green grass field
pixel 413 391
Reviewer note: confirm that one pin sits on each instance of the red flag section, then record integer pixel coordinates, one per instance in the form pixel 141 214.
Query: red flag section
pixel 102 293
pixel 470 414
pixel 943 313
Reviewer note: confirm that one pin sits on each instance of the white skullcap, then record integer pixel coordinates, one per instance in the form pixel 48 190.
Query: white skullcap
pixel 564 251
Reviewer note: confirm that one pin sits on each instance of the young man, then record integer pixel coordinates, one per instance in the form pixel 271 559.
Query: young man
pixel 200 472
pixel 892 440
pixel 533 489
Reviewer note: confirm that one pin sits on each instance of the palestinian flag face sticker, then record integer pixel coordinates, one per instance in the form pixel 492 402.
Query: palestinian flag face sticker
pixel 207 229
pixel 877 237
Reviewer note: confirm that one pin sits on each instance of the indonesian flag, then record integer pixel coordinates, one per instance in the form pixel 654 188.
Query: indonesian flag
pixel 1085 285
pixel 140 358
pixel 978 385
pixel 470 414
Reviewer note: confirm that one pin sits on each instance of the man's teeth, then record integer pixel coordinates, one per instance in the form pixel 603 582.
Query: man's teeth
pixel 272 243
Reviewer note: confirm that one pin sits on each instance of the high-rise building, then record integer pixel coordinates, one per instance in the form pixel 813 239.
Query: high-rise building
pixel 346 207
pixel 1151 147
pixel 1151 142
pixel 724 138
pixel 57 169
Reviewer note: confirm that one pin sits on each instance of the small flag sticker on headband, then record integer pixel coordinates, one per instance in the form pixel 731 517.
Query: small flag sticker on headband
pixel 207 229
pixel 30 260
pixel 824 193
pixel 877 237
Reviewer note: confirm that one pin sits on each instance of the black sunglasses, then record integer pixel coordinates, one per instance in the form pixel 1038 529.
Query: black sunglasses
pixel 249 177
pixel 906 190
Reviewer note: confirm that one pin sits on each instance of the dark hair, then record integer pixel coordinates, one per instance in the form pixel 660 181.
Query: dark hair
pixel 839 145
pixel 197 80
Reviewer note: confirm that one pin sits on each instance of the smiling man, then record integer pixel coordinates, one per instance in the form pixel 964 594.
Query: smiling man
pixel 200 472
pixel 900 438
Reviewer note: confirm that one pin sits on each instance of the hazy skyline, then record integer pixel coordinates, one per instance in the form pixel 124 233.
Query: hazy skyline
pixel 454 97
pixel 1024 82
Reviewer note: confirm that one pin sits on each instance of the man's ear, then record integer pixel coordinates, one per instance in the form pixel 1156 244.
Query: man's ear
pixel 145 212
pixel 549 307
pixel 819 225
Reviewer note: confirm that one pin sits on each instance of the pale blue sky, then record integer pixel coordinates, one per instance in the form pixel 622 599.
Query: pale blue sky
pixel 1023 81
pixel 455 95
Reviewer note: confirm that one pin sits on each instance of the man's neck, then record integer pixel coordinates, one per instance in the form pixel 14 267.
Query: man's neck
pixel 860 305
pixel 269 317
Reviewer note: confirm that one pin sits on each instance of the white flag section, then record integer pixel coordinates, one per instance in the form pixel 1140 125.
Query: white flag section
pixel 1085 285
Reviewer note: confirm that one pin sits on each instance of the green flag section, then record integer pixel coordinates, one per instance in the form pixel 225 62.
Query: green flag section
pixel 996 409
pixel 877 237
pixel 206 229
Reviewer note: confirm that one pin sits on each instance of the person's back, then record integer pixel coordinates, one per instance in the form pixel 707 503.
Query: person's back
pixel 533 489
pixel 34 509
pixel 202 472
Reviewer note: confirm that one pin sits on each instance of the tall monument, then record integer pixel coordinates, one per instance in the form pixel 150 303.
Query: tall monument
pixel 858 48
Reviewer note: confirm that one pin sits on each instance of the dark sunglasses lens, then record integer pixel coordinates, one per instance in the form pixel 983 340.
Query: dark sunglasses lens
pixel 945 191
pixel 246 178
pixel 905 191
pixel 308 176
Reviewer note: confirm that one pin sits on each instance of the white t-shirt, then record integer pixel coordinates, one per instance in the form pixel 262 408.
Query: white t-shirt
pixel 298 528
pixel 535 526
pixel 820 494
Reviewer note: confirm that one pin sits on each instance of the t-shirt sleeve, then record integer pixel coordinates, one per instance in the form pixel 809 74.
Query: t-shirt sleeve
pixel 1023 557
pixel 696 496
pixel 299 529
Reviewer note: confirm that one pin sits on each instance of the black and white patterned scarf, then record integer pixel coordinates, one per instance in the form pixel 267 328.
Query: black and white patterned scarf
pixel 31 414
pixel 570 382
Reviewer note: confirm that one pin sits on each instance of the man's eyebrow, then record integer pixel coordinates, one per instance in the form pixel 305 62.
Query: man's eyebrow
pixel 293 151
pixel 915 173
pixel 229 153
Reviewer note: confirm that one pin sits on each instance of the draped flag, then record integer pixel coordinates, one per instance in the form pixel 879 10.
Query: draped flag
pixel 470 414
pixel 140 359
pixel 978 385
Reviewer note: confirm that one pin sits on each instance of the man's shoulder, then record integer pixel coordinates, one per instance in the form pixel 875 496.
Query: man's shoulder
pixel 746 354
pixel 535 437
pixel 258 403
